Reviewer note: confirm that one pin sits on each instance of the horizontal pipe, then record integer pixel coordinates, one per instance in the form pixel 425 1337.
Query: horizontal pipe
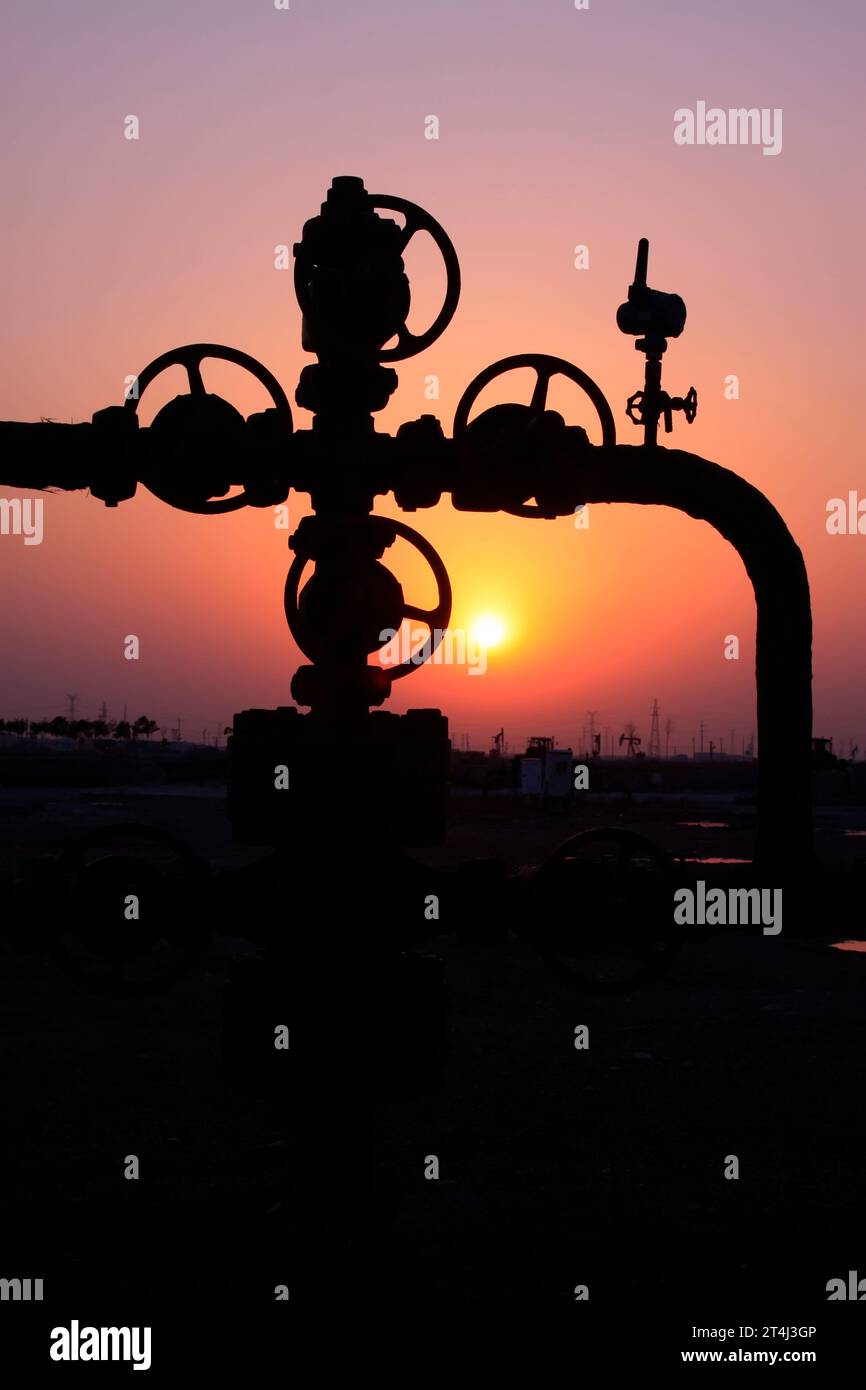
pixel 63 456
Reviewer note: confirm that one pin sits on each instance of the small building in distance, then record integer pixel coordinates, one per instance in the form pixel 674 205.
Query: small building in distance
pixel 546 771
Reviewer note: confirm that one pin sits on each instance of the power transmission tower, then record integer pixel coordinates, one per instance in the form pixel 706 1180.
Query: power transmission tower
pixel 655 749
pixel 702 735
pixel 73 700
pixel 669 725
pixel 591 715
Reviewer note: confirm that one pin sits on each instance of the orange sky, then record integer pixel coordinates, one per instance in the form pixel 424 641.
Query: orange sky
pixel 556 129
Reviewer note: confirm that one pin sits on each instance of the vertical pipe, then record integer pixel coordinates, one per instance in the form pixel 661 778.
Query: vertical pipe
pixel 783 650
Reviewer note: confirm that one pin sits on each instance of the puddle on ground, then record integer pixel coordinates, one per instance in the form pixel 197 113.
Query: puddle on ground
pixel 855 833
pixel 716 859
pixel 709 824
pixel 848 945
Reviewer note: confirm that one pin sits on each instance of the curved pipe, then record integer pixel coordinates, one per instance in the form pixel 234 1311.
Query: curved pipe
pixel 783 656
pixel 646 477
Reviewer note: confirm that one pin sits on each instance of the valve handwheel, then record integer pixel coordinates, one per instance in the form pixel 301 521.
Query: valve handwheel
pixel 436 618
pixel 208 413
pixel 634 407
pixel 95 941
pixel 602 908
pixel 419 220
pixel 545 368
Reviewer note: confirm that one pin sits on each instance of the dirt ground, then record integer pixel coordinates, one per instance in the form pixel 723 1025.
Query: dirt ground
pixel 558 1167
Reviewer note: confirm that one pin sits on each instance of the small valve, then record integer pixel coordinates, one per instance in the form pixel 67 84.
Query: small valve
pixel 652 316
pixel 688 404
pixel 636 409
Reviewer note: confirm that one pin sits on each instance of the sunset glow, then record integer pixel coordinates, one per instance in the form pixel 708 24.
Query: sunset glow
pixel 488 630
pixel 598 618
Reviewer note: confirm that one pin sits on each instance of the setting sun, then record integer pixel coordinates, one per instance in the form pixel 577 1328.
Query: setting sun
pixel 488 630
